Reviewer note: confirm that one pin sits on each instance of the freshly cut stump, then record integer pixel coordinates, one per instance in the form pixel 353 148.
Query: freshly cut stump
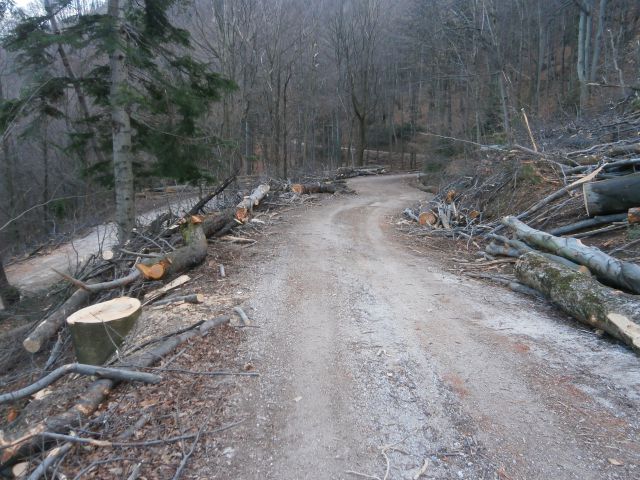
pixel 99 329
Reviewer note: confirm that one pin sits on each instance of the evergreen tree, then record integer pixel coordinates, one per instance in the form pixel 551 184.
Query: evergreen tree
pixel 146 89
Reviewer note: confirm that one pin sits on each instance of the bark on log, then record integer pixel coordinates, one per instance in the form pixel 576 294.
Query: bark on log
pixel 633 215
pixel 14 444
pixel 308 188
pixel 615 195
pixel 98 330
pixel 612 271
pixel 50 325
pixel 584 298
pixel 590 222
pixel 246 206
pixel 80 369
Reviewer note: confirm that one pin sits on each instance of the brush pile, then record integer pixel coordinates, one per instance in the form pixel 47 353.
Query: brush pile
pixel 533 209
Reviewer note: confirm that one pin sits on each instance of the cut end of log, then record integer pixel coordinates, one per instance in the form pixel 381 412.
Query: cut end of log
pixel 106 311
pixel 32 345
pixel 242 214
pixel 108 255
pixel 427 218
pixel 297 188
pixel 152 272
pixel 451 195
pixel 633 216
pixel 627 328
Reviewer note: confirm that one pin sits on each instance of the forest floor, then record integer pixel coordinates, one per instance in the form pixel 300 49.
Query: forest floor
pixel 375 362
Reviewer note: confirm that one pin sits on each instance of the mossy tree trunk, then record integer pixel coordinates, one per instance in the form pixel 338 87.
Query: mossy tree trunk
pixel 583 297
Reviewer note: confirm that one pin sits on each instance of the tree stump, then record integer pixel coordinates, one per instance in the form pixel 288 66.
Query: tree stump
pixel 97 331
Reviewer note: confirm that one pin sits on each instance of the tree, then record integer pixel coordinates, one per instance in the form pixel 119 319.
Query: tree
pixel 354 32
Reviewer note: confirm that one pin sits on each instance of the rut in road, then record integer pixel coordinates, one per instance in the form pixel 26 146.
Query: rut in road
pixel 374 359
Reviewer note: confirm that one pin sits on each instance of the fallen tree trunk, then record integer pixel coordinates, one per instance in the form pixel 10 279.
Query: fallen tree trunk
pixel 590 222
pixel 612 196
pixel 98 330
pixel 80 369
pixel 612 271
pixel 350 172
pixel 583 298
pixel 246 206
pixel 307 188
pixel 13 445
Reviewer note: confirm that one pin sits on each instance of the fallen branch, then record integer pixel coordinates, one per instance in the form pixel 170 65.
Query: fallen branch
pixel 197 208
pixel 192 298
pixel 590 222
pixel 80 369
pixel 53 457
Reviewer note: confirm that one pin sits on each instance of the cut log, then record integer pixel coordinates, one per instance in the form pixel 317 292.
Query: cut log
pixel 216 222
pixel 308 188
pixel 590 222
pixel 615 195
pixel 584 298
pixel 22 441
pixel 97 331
pixel 50 325
pixel 246 206
pixel 427 218
pixel 633 215
pixel 610 270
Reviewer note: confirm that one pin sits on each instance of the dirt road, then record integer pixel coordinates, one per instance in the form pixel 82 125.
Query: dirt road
pixel 374 360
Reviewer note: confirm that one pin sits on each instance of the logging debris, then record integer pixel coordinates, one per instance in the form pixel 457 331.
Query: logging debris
pixel 566 198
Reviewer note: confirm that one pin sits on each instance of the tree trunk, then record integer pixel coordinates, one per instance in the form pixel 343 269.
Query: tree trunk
pixel 611 270
pixel 615 195
pixel 121 123
pixel 9 294
pixel 583 298
pixel 98 330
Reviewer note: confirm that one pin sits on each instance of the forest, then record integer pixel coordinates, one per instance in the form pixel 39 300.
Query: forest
pixel 278 87
pixel 322 239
